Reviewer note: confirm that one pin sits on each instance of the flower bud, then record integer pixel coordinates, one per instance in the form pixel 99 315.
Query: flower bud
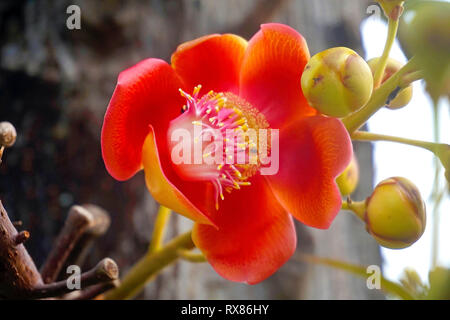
pixel 395 213
pixel 8 134
pixel 337 82
pixel 405 95
pixel 348 180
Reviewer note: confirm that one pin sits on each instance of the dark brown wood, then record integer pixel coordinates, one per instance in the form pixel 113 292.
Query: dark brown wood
pixel 78 220
pixel 98 226
pixel 18 273
pixel 105 271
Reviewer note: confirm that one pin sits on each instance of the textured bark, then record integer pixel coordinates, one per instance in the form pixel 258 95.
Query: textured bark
pixel 16 265
pixel 57 84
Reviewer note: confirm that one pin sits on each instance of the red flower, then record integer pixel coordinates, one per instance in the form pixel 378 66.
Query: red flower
pixel 247 236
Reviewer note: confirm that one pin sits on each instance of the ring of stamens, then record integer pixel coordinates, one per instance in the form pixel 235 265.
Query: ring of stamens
pixel 225 113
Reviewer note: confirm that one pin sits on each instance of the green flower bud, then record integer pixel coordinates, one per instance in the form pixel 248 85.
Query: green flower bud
pixel 405 95
pixel 337 82
pixel 348 180
pixel 395 213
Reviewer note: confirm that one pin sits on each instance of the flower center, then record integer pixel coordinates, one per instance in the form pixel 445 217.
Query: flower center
pixel 216 139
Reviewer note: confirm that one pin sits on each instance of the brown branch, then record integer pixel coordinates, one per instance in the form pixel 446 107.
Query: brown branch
pixel 99 225
pixel 78 220
pixel 21 237
pixel 95 291
pixel 105 271
pixel 18 273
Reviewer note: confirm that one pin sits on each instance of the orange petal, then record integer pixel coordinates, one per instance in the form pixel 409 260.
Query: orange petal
pixel 256 236
pixel 163 190
pixel 271 72
pixel 214 61
pixel 313 152
pixel 146 94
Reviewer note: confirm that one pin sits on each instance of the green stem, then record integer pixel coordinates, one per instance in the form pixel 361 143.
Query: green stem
pixel 159 229
pixel 149 266
pixel 380 97
pixel 358 208
pixel 410 78
pixel 369 136
pixel 435 239
pixel 386 285
pixel 381 67
pixel 191 256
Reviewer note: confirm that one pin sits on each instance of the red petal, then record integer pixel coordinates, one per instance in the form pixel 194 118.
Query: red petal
pixel 271 73
pixel 313 152
pixel 161 188
pixel 255 237
pixel 214 61
pixel 146 94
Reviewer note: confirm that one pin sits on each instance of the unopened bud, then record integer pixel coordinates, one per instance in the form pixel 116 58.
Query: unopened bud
pixel 405 95
pixel 8 134
pixel 395 213
pixel 348 180
pixel 337 82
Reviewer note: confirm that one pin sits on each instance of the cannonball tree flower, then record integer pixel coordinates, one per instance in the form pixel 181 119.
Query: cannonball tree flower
pixel 243 219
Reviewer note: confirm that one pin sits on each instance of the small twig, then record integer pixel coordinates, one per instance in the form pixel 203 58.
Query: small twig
pixel 105 272
pixel 21 237
pixel 97 227
pixel 94 291
pixel 78 220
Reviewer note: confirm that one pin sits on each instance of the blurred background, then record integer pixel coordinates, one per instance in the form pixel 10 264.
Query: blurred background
pixel 55 85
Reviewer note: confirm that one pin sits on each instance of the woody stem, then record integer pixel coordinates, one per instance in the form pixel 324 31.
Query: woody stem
pixel 149 266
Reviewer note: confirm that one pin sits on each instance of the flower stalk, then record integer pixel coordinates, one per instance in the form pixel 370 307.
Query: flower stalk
pixel 369 136
pixel 149 266
pixel 357 207
pixel 159 230
pixel 191 256
pixel 392 33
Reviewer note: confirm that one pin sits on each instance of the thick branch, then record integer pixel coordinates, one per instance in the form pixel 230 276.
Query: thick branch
pixel 77 222
pixel 18 273
pixel 95 291
pixel 106 271
pixel 98 226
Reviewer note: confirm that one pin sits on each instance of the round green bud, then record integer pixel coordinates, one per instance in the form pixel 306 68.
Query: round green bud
pixel 348 180
pixel 337 82
pixel 405 95
pixel 395 213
